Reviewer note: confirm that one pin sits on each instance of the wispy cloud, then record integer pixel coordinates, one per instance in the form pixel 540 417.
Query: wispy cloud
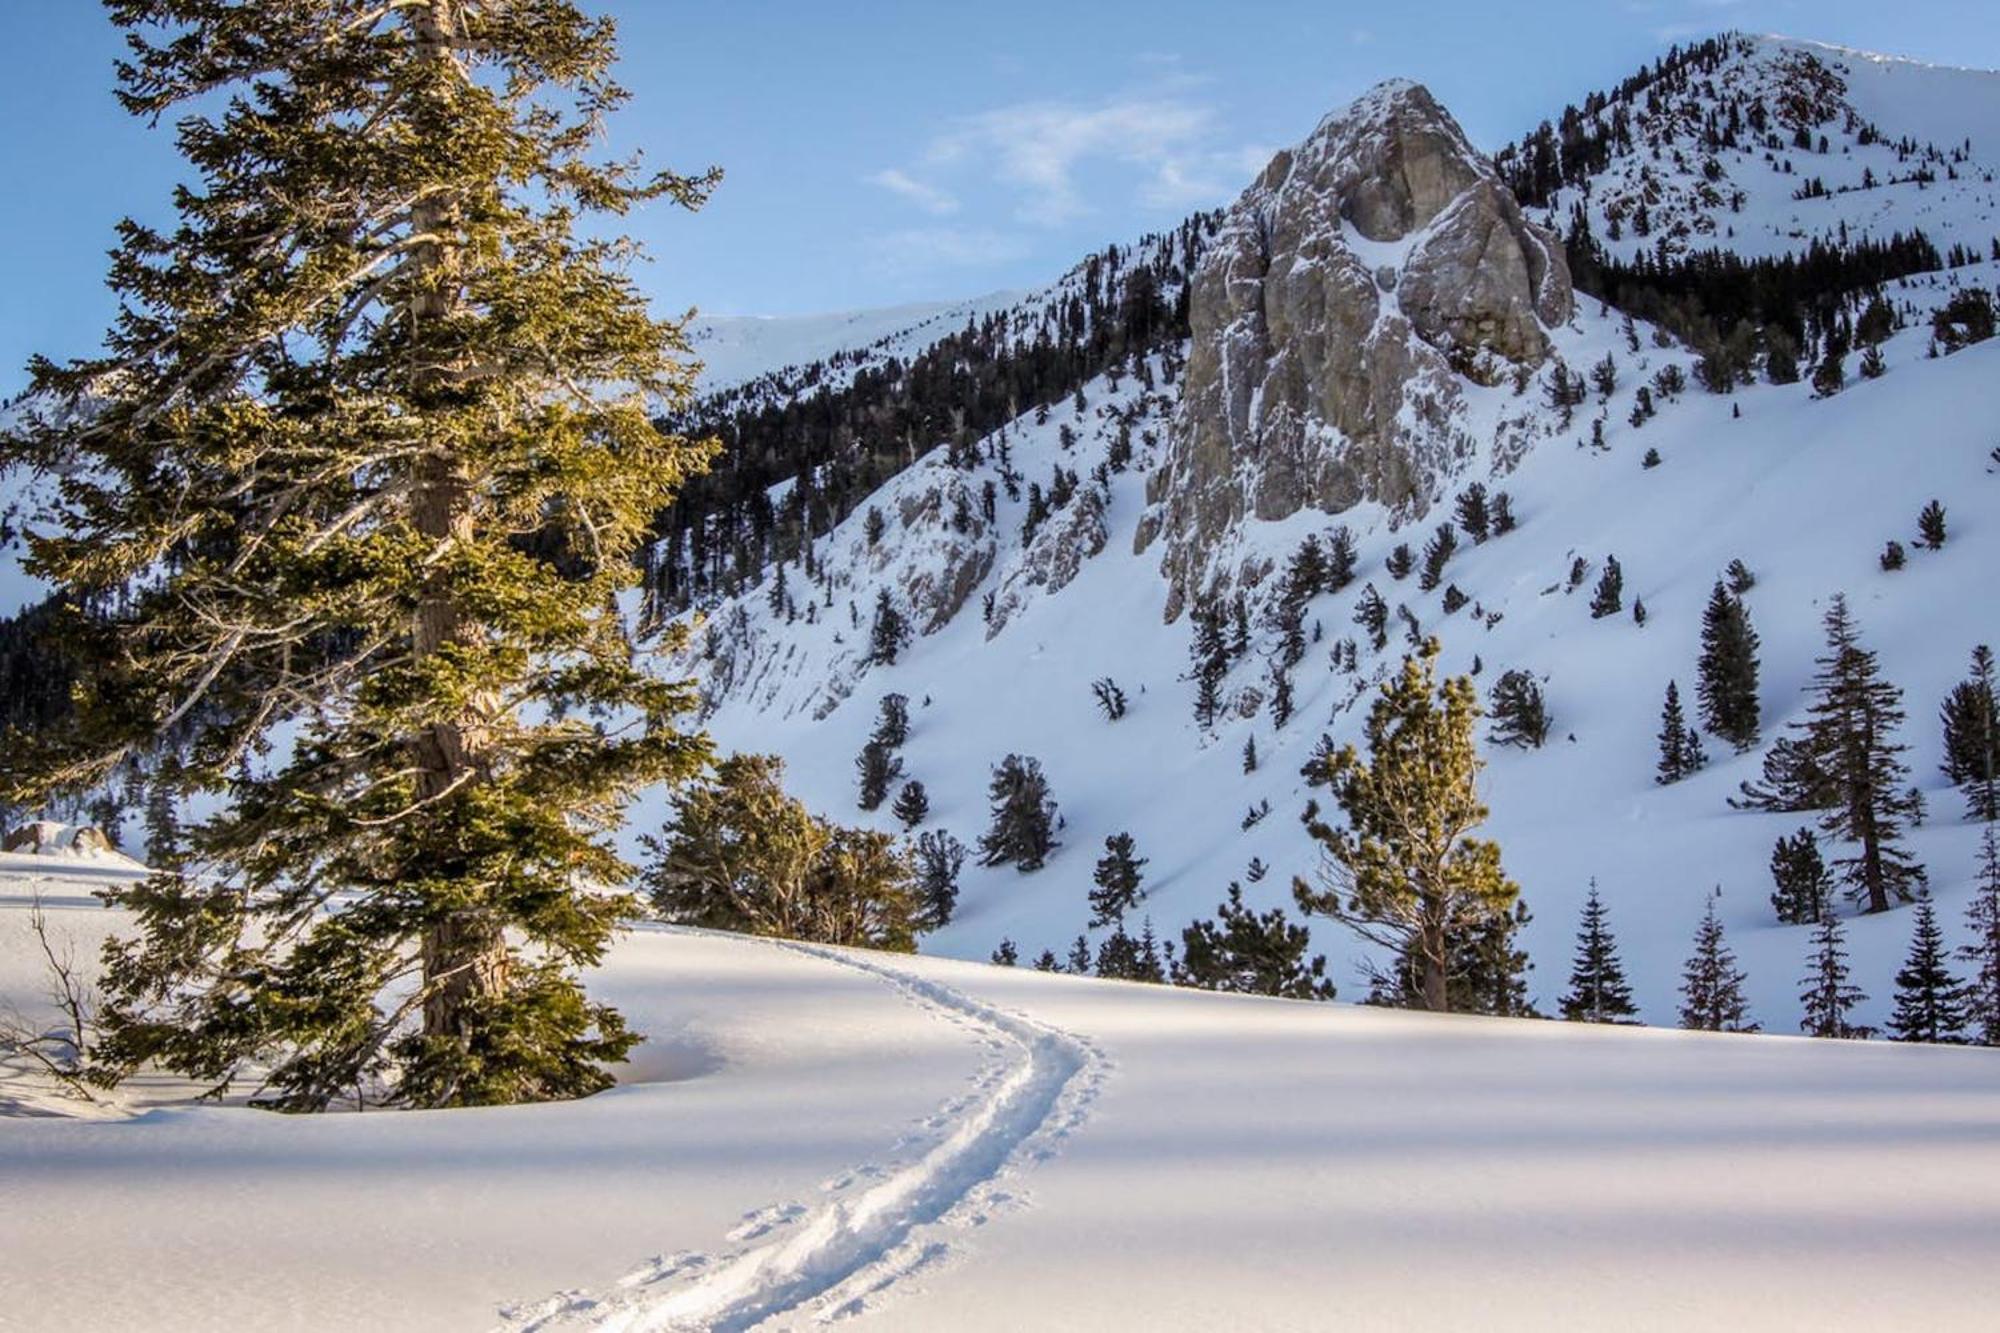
pixel 923 249
pixel 931 199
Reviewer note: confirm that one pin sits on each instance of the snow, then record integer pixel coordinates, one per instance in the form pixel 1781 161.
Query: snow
pixel 816 1134
pixel 736 349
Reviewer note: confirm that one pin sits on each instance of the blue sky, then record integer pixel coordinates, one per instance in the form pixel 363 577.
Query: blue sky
pixel 898 150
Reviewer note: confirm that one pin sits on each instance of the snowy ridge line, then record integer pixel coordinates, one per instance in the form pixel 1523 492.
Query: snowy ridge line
pixel 835 1260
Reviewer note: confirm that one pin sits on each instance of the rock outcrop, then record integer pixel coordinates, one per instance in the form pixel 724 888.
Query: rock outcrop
pixel 1351 293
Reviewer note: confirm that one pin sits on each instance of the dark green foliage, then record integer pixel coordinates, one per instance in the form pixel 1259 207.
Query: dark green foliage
pixel 1739 577
pixel 1650 459
pixel 1318 767
pixel 741 855
pixel 1118 880
pixel 1400 561
pixel 1504 521
pixel 1371 613
pixel 913 804
pixel 939 856
pixel 1341 558
pixel 1609 597
pixel 1794 779
pixel 876 768
pixel 1930 527
pixel 1454 599
pixel 1680 744
pixel 1894 557
pixel 1598 991
pixel 1078 960
pixel 1930 1001
pixel 873 526
pixel 1472 513
pixel 1110 699
pixel 1281 696
pixel 1727 688
pixel 1006 955
pixel 1966 319
pixel 1121 957
pixel 1250 754
pixel 1247 953
pixel 1023 830
pixel 1971 717
pixel 1437 552
pixel 1711 983
pixel 1520 715
pixel 367 459
pixel 892 722
pixel 1982 951
pixel 1208 652
pixel 1046 961
pixel 1850 732
pixel 1802 888
pixel 1828 996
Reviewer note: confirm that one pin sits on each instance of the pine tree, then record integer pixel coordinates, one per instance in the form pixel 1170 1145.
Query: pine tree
pixel 1078 961
pixel 1006 955
pixel 1472 513
pixel 1209 652
pixel 1046 961
pixel 1930 527
pixel 1711 983
pixel 1609 597
pixel 1971 716
pixel 1110 699
pixel 1598 991
pixel 1727 689
pixel 1250 754
pixel 1930 1001
pixel 1281 696
pixel 889 634
pixel 1804 890
pixel 1520 714
pixel 1341 558
pixel 1371 613
pixel 876 768
pixel 1246 953
pixel 1406 873
pixel 939 857
pixel 1680 744
pixel 892 723
pixel 1982 918
pixel 1437 553
pixel 1504 521
pixel 1400 561
pixel 1828 996
pixel 1852 721
pixel 1118 881
pixel 1023 830
pixel 1793 780
pixel 364 467
pixel 913 804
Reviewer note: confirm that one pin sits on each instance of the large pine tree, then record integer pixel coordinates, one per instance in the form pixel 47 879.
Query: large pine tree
pixel 1406 872
pixel 1727 687
pixel 1982 951
pixel 1851 733
pixel 1971 716
pixel 1117 880
pixel 1711 983
pixel 1022 833
pixel 351 495
pixel 1598 991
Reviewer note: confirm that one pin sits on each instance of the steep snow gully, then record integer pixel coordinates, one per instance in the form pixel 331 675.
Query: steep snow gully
pixel 878 1224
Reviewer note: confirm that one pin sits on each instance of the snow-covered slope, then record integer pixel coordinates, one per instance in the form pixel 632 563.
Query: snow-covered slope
pixel 1776 143
pixel 814 1135
pixel 736 349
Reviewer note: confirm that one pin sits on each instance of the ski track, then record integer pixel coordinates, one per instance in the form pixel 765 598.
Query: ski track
pixel 880 1224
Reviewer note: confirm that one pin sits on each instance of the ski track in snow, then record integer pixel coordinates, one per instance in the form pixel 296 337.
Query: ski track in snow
pixel 879 1225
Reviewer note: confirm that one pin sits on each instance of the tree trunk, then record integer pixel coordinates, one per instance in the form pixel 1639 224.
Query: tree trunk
pixel 465 957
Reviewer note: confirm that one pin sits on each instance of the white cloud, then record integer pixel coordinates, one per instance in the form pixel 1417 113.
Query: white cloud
pixel 931 199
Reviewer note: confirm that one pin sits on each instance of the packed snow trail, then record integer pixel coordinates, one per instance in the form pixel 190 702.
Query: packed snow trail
pixel 831 1261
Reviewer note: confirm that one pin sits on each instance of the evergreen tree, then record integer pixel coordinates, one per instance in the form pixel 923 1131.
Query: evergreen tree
pixel 1118 879
pixel 1520 715
pixel 913 804
pixel 1371 613
pixel 1110 699
pixel 1598 991
pixel 1250 754
pixel 1828 996
pixel 1982 917
pixel 1472 514
pixel 1971 716
pixel 1046 961
pixel 939 857
pixel 1406 873
pixel 1341 558
pixel 1711 983
pixel 1803 891
pixel 1930 527
pixel 1121 957
pixel 1727 689
pixel 1437 552
pixel 1400 561
pixel 1852 721
pixel 1078 961
pixel 1250 954
pixel 1680 744
pixel 889 634
pixel 1793 780
pixel 1023 830
pixel 892 723
pixel 1281 696
pixel 1209 652
pixel 1930 1001
pixel 1503 518
pixel 1609 597
pixel 1006 955
pixel 876 768
pixel 354 487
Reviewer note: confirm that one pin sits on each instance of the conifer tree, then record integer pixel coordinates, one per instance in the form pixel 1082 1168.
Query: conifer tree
pixel 1609 597
pixel 1472 513
pixel 1982 918
pixel 1023 830
pixel 1828 996
pixel 1727 689
pixel 1046 961
pixel 1711 983
pixel 1250 753
pixel 939 857
pixel 1850 730
pixel 1803 891
pixel 1680 744
pixel 1209 652
pixel 1598 991
pixel 913 804
pixel 1930 1001
pixel 1400 561
pixel 1281 696
pixel 356 483
pixel 876 768
pixel 1247 953
pixel 1006 955
pixel 1341 558
pixel 1930 527
pixel 889 633
pixel 1078 961
pixel 1437 553
pixel 1371 613
pixel 1405 872
pixel 1118 879
pixel 1520 714
pixel 1971 716
pixel 892 723
pixel 1503 518
pixel 1793 780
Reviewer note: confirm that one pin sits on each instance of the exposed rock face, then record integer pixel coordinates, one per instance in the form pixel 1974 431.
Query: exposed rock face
pixel 1349 294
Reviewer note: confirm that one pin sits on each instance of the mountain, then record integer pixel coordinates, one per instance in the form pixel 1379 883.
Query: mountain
pixel 1373 328
pixel 736 350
